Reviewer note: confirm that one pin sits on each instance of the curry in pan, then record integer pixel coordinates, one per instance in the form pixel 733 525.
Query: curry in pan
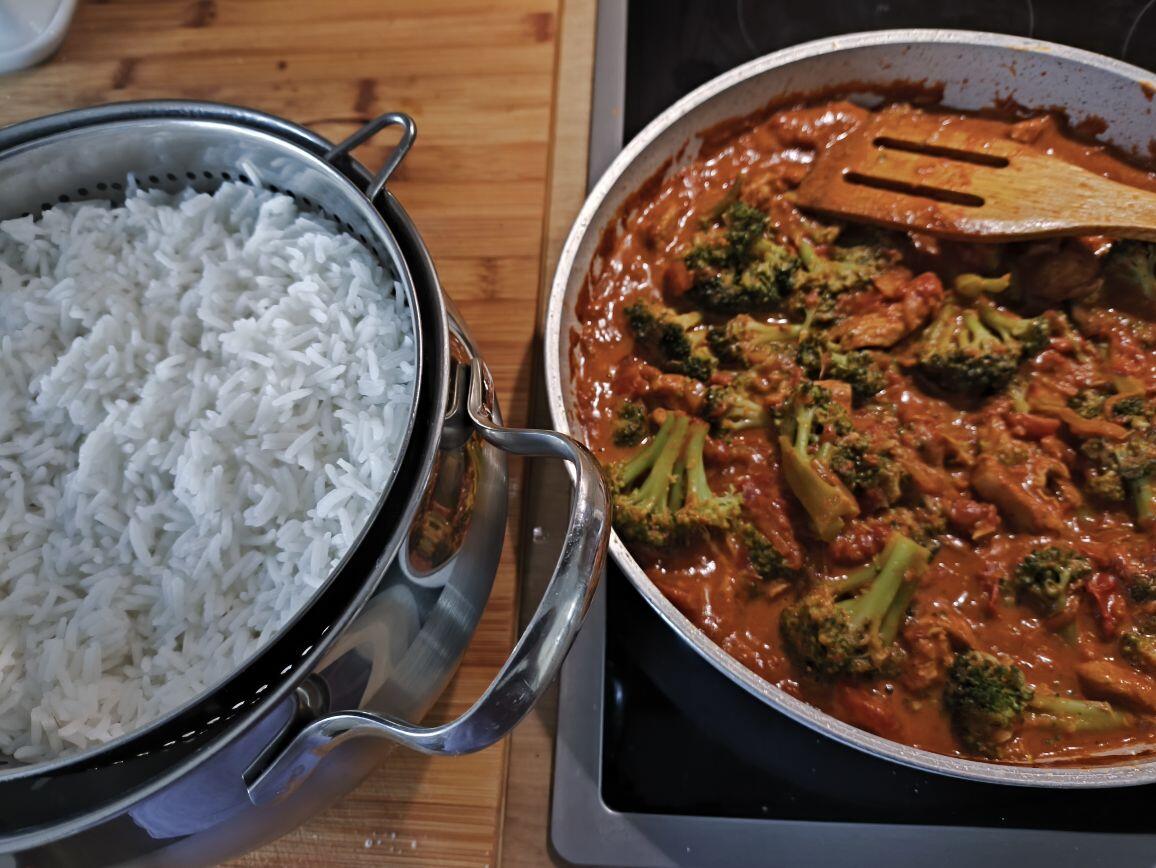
pixel 911 482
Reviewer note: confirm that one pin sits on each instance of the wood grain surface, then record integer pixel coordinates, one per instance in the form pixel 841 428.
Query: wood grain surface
pixel 525 831
pixel 478 77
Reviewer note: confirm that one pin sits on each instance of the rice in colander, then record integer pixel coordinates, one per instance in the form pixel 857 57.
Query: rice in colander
pixel 201 399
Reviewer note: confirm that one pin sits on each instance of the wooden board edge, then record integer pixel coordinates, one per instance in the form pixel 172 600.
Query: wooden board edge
pixel 524 822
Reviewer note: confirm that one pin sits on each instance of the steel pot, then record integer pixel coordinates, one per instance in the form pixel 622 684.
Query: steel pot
pixel 322 703
pixel 964 70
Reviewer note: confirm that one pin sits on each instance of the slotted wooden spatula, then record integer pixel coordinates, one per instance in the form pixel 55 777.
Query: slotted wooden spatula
pixel 961 181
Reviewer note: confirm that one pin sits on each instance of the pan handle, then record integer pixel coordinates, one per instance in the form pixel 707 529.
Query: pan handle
pixel 371 129
pixel 536 657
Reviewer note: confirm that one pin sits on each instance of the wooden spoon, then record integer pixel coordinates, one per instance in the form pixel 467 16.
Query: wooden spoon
pixel 958 181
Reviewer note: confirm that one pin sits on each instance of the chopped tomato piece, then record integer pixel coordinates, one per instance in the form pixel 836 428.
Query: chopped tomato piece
pixel 1108 594
pixel 867 709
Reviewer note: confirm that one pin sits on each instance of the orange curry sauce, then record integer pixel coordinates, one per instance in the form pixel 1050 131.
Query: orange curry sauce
pixel 958 603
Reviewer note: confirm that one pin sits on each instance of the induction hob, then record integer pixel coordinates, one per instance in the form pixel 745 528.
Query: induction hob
pixel 659 758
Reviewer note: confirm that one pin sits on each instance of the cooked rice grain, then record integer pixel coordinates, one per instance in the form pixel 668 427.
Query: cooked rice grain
pixel 200 399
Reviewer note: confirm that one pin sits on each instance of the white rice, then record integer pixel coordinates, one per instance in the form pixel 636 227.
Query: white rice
pixel 201 398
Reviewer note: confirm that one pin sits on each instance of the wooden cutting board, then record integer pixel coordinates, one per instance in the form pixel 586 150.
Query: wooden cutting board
pixel 478 79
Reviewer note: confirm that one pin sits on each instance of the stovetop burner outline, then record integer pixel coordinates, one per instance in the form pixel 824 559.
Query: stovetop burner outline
pixel 585 826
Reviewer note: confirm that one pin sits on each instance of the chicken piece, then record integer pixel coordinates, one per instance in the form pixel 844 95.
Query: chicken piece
pixel 1118 684
pixel 880 330
pixel 638 380
pixel 1099 323
pixel 1050 403
pixel 1009 488
pixel 972 517
pixel 743 464
pixel 933 635
pixel 933 481
pixel 892 283
pixel 1030 426
pixel 938 445
pixel 888 325
pixel 1031 487
pixel 929 653
pixel 762 494
pixel 676 280
pixel 1053 272
pixel 1059 450
pixel 957 627
pixel 841 392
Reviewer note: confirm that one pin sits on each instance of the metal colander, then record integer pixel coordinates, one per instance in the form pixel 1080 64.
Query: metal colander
pixel 91 154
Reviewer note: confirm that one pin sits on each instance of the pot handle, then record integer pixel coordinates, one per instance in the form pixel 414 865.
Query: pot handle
pixel 536 657
pixel 371 129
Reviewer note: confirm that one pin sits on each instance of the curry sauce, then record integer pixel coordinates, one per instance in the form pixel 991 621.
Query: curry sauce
pixel 982 473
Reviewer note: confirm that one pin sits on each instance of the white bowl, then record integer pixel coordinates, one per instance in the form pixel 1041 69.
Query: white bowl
pixel 31 30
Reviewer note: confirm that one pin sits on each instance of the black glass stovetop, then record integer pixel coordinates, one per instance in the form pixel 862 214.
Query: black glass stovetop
pixel 678 737
pixel 673 46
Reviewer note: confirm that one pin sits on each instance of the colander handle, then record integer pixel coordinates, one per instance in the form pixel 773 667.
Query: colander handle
pixel 371 129
pixel 538 654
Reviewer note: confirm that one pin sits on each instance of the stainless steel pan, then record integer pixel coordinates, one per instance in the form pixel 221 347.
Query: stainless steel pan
pixel 974 70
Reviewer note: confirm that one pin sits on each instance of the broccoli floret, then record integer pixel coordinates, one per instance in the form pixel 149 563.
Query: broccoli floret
pixel 960 353
pixel 971 285
pixel 643 513
pixel 733 407
pixel 765 559
pixel 986 701
pixel 727 246
pixel 1131 410
pixel 698 509
pixel 629 424
pixel 836 636
pixel 844 269
pixel 1138 647
pixel 662 495
pixel 808 425
pixel 823 360
pixel 924 523
pixel 736 268
pixel 1033 334
pixel 745 341
pixel 978 350
pixel 761 283
pixel 1047 577
pixel 1122 470
pixel 1131 266
pixel 1075 715
pixel 868 469
pixel 822 280
pixel 1101 475
pixel 1142 587
pixel 742 225
pixel 675 339
pixel 1089 403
